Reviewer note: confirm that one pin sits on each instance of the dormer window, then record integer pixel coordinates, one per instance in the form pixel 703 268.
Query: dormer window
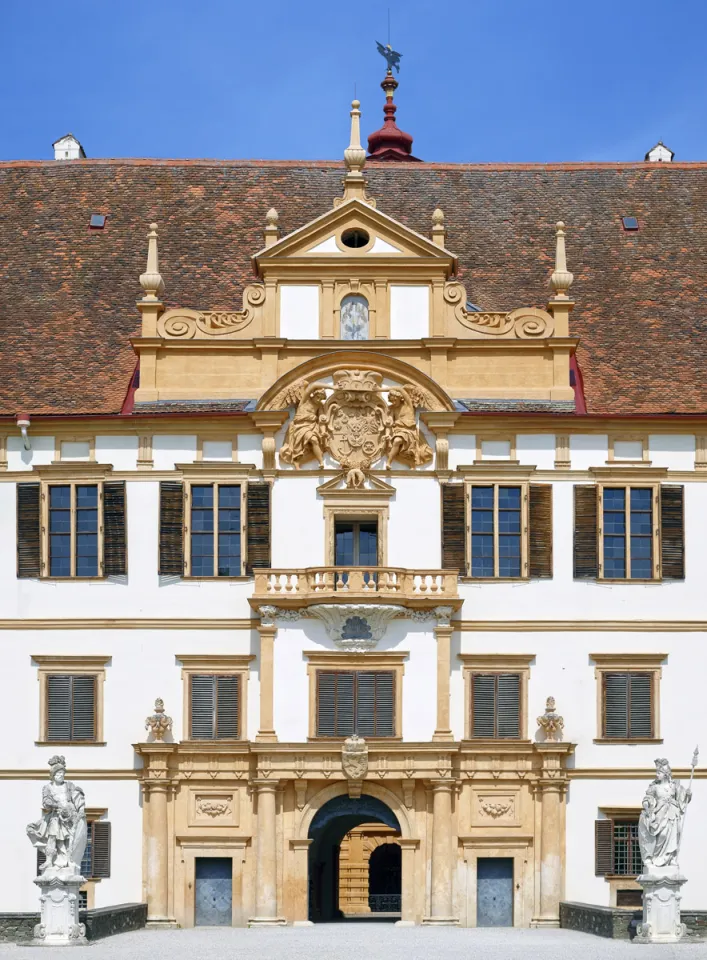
pixel 354 318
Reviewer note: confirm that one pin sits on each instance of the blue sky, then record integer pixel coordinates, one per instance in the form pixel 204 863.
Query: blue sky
pixel 481 81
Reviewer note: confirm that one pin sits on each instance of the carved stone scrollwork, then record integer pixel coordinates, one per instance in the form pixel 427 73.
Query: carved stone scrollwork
pixel 525 323
pixel 551 722
pixel 355 628
pixel 354 422
pixel 202 324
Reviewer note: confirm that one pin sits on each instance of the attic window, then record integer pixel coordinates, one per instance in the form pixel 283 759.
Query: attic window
pixel 630 223
pixel 354 238
pixel 98 221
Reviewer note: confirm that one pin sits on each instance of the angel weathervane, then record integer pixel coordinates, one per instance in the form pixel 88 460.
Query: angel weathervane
pixel 392 58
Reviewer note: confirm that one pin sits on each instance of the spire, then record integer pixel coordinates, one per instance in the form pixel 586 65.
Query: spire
pixel 561 278
pixel 390 142
pixel 355 158
pixel 151 280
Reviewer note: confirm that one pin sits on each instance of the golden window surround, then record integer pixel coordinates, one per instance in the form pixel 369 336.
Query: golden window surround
pixel 76 665
pixel 628 663
pixel 524 551
pixel 80 438
pixel 371 661
pixel 509 438
pixel 641 438
pixel 655 523
pixel 65 475
pixel 474 663
pixel 218 664
pixel 202 436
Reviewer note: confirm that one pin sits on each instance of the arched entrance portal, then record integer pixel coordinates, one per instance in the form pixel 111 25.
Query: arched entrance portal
pixel 332 822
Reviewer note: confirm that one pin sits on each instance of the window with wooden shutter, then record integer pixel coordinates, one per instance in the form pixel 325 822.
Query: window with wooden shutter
pixel 454 527
pixel 355 701
pixel 101 849
pixel 213 530
pixel 71 707
pixel 258 527
pixel 495 706
pixel 540 530
pixel 672 532
pixel 586 555
pixel 603 847
pixel 114 529
pixel 627 706
pixel 617 851
pixel 28 530
pixel 171 560
pixel 214 705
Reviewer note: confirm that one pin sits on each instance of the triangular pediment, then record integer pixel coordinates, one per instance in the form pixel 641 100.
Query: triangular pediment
pixel 379 238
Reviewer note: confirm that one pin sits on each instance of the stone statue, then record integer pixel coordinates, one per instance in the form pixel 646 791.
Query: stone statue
pixel 61 831
pixel 159 723
pixel 660 823
pixel 406 442
pixel 660 828
pixel 305 434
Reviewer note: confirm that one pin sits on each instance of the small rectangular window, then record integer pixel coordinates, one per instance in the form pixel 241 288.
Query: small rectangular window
pixel 355 701
pixel 495 706
pixel 629 223
pixel 215 530
pixel 97 222
pixel 496 526
pixel 627 852
pixel 73 545
pixel 71 708
pixel 214 707
pixel 628 706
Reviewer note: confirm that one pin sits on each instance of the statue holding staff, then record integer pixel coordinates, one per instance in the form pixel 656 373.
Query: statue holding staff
pixel 661 821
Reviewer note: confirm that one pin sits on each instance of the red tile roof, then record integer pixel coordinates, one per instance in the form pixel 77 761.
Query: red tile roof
pixel 67 294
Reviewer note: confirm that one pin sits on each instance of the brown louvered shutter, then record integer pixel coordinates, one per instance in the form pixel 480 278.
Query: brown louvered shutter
pixel 603 847
pixel 227 700
pixel 71 707
pixel 335 703
pixel 100 854
pixel 672 533
pixel 28 530
pixel 540 532
pixel 258 527
pixel 586 558
pixel 453 528
pixel 171 528
pixel 114 537
pixel 375 707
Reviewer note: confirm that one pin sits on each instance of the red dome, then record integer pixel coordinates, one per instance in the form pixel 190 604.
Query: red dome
pixel 390 142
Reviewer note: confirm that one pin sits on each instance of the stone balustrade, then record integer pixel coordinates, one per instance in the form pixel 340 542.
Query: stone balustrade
pixel 346 584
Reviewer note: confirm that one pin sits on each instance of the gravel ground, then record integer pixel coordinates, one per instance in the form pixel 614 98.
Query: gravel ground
pixel 360 941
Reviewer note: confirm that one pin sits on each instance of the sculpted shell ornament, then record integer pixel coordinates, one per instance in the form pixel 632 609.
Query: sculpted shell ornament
pixel 525 323
pixel 195 324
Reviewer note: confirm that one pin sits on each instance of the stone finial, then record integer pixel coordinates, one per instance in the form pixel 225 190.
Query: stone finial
pixel 271 228
pixel 561 278
pixel 158 723
pixel 355 158
pixel 551 722
pixel 151 280
pixel 439 231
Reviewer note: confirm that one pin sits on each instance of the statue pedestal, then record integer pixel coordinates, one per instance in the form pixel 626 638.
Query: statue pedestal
pixel 59 924
pixel 661 905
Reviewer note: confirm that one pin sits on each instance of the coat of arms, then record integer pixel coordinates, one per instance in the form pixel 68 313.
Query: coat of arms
pixel 354 757
pixel 353 422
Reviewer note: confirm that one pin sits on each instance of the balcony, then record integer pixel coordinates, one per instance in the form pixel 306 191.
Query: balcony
pixel 412 588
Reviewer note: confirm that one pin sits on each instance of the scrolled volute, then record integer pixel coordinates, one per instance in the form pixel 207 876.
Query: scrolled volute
pixel 183 324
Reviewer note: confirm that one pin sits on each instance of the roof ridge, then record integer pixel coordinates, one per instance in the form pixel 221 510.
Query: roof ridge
pixel 337 164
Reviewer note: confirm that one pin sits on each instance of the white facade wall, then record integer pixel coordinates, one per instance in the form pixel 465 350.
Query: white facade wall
pixel 299 311
pixel 409 312
pixel 144 662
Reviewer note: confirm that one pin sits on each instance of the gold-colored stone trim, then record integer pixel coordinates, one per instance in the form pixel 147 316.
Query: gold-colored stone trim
pixel 87 664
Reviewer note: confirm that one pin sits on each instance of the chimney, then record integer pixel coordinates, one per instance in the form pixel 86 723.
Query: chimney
pixel 68 148
pixel 659 154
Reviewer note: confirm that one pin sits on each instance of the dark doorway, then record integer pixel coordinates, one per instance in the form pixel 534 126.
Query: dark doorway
pixel 385 879
pixel 213 895
pixel 494 892
pixel 329 827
